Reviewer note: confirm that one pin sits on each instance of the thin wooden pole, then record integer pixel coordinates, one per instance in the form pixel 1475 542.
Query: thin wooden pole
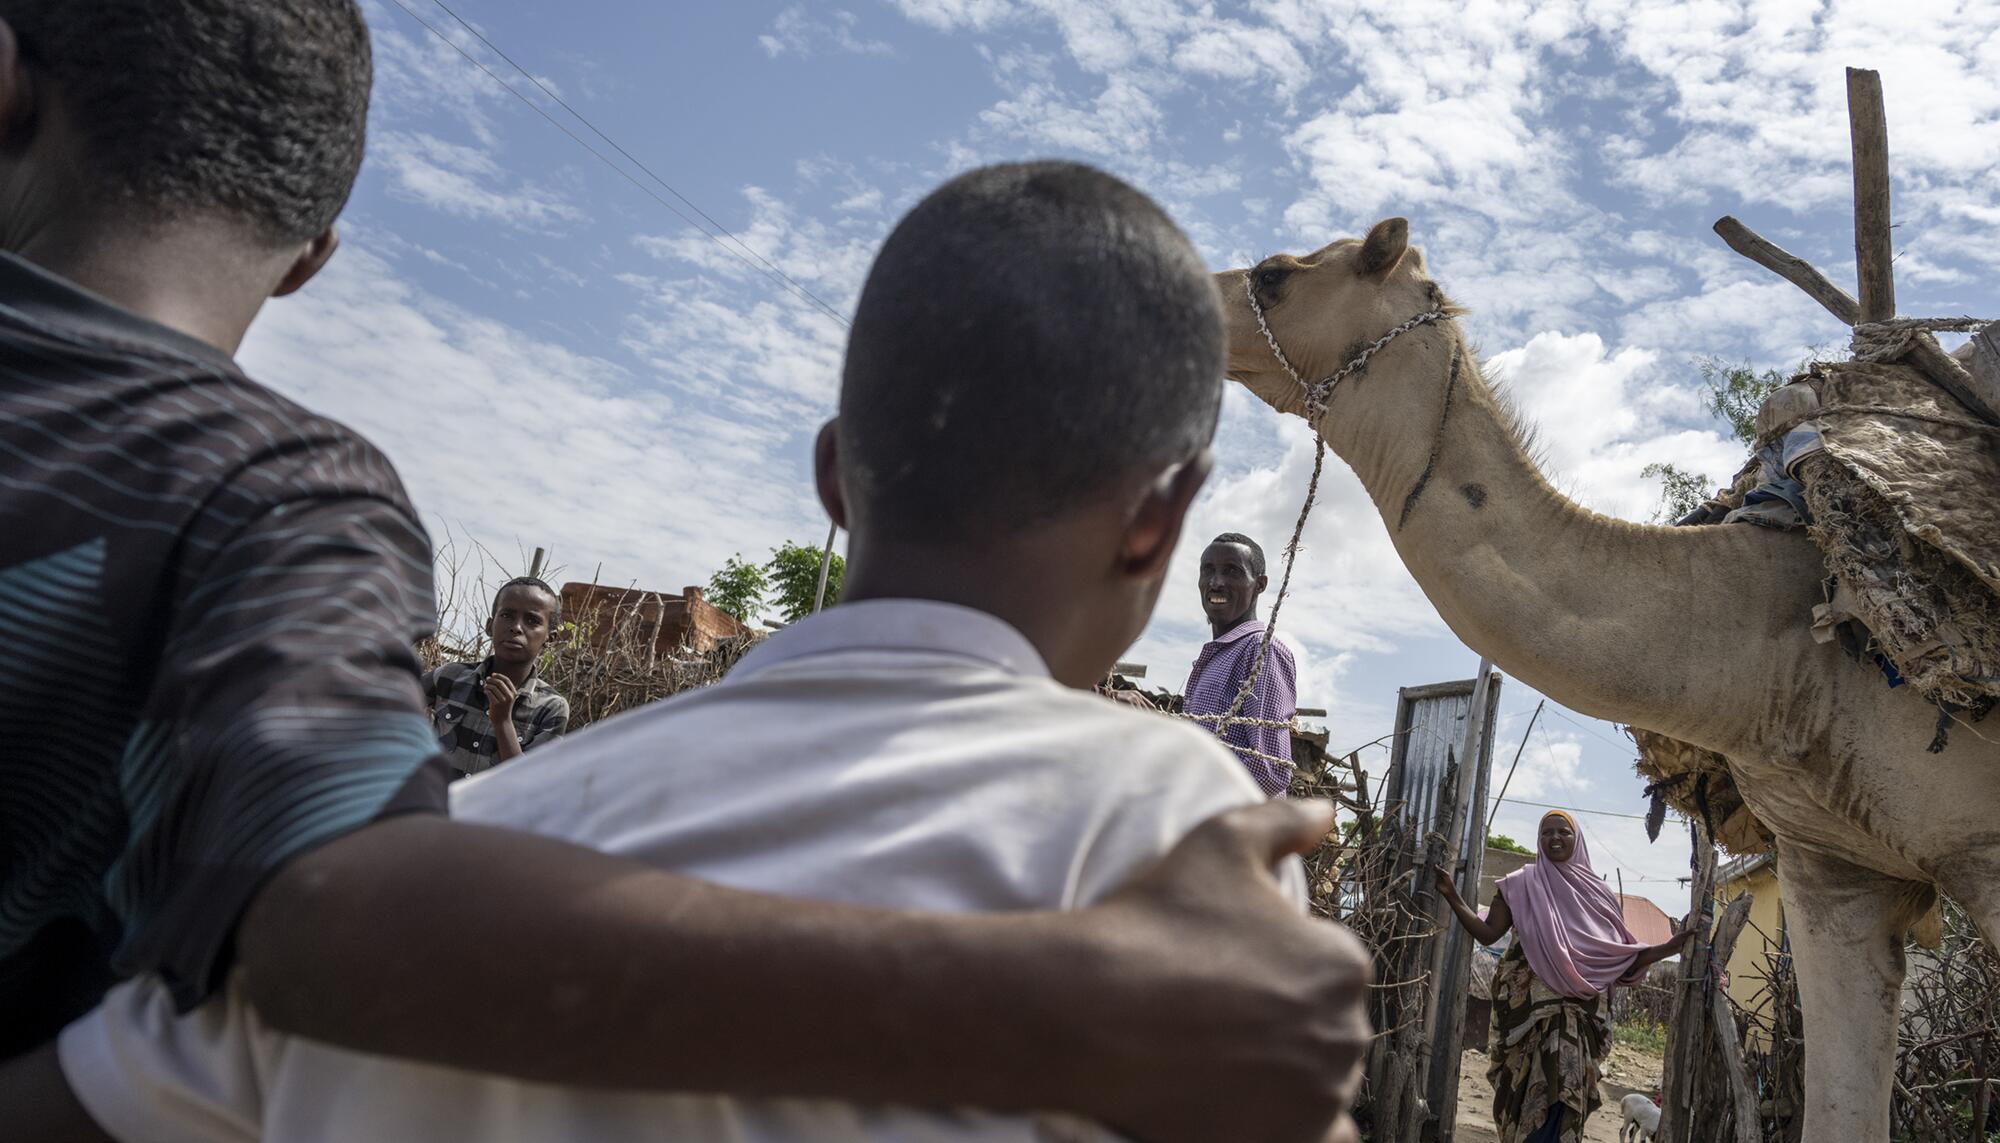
pixel 535 567
pixel 1687 1031
pixel 1454 951
pixel 1790 267
pixel 825 563
pixel 1729 1051
pixel 1868 126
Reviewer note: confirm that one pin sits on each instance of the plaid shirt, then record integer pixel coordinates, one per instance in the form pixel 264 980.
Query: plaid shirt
pixel 1218 674
pixel 457 694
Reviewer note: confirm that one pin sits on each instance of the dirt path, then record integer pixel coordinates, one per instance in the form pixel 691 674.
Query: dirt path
pixel 1627 1070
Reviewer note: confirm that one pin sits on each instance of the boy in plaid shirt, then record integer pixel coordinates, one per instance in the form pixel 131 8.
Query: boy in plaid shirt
pixel 490 711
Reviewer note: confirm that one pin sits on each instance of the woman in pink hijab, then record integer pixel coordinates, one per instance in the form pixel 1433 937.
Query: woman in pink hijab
pixel 1551 991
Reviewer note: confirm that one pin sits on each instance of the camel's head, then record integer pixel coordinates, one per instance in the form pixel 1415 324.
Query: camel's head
pixel 1322 307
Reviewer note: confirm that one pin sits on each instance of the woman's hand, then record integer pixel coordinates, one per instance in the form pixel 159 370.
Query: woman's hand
pixel 1445 887
pixel 1653 954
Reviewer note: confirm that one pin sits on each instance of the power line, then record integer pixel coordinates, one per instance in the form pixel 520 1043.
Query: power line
pixel 1570 809
pixel 767 268
pixel 1518 750
pixel 1625 746
pixel 635 161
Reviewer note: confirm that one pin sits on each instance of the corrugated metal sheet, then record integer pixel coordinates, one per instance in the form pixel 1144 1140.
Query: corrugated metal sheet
pixel 1430 728
pixel 1433 732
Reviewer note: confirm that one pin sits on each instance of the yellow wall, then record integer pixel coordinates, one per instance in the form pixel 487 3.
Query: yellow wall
pixel 1759 941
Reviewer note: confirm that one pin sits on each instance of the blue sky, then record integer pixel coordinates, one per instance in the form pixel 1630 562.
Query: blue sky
pixel 502 294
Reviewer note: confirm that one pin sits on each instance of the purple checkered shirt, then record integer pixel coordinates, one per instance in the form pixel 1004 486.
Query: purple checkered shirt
pixel 1219 672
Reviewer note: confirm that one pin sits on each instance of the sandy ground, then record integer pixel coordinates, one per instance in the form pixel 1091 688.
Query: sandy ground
pixel 1627 1070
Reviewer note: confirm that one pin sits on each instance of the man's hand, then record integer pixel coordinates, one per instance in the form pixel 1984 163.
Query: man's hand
pixel 1197 1005
pixel 500 695
pixel 1240 1018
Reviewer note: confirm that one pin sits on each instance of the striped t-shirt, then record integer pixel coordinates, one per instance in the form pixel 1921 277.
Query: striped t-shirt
pixel 208 600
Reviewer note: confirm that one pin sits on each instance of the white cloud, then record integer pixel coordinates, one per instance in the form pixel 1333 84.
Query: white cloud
pixel 1240 52
pixel 1758 95
pixel 948 15
pixel 830 260
pixel 512 438
pixel 1551 768
pixel 466 181
pixel 796 33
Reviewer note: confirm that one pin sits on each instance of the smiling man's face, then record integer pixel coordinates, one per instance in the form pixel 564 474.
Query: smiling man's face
pixel 1229 584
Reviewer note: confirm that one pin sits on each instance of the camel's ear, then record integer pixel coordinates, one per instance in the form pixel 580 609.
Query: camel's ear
pixel 1384 247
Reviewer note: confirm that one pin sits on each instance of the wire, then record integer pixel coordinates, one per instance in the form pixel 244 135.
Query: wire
pixel 635 161
pixel 1571 809
pixel 1618 859
pixel 1518 750
pixel 769 270
pixel 1625 746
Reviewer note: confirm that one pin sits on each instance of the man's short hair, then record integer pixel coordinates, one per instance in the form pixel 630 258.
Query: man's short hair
pixel 1028 334
pixel 1256 553
pixel 555 611
pixel 249 109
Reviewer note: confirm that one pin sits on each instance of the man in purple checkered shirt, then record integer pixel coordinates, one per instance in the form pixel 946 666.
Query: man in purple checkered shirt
pixel 1232 577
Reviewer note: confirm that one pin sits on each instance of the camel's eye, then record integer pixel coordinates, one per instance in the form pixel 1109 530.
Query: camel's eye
pixel 1269 276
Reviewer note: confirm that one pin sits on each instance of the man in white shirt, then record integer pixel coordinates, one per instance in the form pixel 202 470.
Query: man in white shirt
pixel 1030 391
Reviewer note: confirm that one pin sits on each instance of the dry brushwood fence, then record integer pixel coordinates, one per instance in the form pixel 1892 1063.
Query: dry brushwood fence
pixel 1360 875
pixel 1649 1002
pixel 600 672
pixel 1946 1052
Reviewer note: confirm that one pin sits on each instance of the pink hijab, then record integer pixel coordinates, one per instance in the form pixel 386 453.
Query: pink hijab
pixel 1569 924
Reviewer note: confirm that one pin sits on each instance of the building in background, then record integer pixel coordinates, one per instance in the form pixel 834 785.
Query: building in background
pixel 654 623
pixel 1758 946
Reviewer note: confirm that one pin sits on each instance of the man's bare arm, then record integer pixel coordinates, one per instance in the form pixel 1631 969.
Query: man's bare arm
pixel 38 1106
pixel 1195 1004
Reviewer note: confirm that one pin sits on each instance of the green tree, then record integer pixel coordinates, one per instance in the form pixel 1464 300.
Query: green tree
pixel 1681 492
pixel 1736 392
pixel 738 588
pixel 1733 393
pixel 1501 841
pixel 794 572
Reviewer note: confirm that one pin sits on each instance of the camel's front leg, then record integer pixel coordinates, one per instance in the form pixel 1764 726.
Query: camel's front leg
pixel 1846 927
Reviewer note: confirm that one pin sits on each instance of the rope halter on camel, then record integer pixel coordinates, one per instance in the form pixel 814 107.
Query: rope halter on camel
pixel 1320 395
pixel 1317 398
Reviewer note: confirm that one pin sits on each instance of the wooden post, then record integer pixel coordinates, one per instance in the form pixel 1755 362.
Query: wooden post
pixel 1729 1051
pixel 1454 951
pixel 1982 358
pixel 825 562
pixel 1868 126
pixel 1687 1031
pixel 1788 266
pixel 535 568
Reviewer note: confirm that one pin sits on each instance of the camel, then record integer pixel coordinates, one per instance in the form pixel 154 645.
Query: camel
pixel 1697 633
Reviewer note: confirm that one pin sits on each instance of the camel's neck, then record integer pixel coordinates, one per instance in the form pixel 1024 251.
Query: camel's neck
pixel 1618 620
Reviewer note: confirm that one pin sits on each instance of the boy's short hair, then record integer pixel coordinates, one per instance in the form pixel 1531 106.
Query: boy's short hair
pixel 1256 553
pixel 555 612
pixel 250 109
pixel 1028 334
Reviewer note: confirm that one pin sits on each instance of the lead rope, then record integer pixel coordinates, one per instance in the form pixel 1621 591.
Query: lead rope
pixel 1317 398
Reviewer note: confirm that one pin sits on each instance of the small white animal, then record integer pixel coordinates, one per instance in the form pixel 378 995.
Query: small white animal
pixel 1642 1118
